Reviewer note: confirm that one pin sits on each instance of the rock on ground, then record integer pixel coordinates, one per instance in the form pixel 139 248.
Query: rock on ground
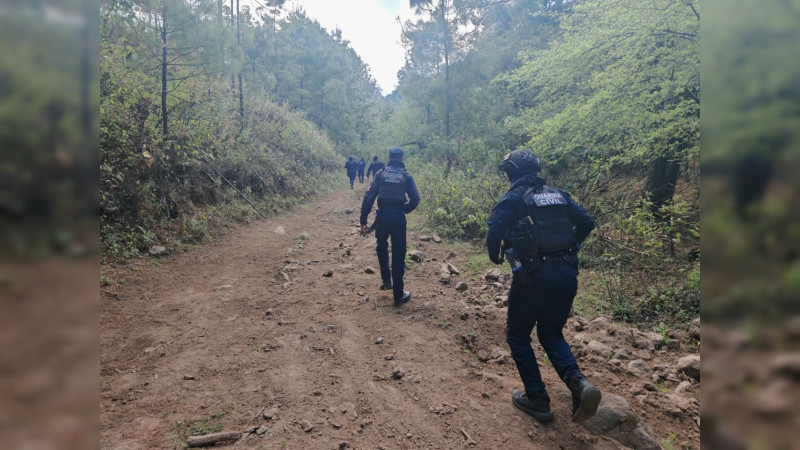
pixel 690 366
pixel 615 419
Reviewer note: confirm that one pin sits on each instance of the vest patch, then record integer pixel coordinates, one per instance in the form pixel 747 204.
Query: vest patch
pixel 391 176
pixel 549 199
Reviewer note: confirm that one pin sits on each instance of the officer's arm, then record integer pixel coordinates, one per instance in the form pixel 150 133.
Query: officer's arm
pixel 501 218
pixel 369 170
pixel 413 195
pixel 584 224
pixel 369 199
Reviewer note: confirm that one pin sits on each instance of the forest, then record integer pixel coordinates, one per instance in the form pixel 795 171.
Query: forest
pixel 215 113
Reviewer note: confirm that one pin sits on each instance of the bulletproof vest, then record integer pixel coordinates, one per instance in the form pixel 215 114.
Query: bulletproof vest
pixel 551 228
pixel 392 187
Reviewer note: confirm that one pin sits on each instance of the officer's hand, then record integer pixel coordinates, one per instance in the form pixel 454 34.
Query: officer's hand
pixel 364 228
pixel 497 259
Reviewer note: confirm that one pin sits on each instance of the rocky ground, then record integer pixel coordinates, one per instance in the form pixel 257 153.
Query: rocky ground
pixel 277 333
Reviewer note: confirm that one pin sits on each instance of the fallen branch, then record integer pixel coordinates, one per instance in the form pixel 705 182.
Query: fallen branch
pixel 469 439
pixel 210 439
pixel 240 193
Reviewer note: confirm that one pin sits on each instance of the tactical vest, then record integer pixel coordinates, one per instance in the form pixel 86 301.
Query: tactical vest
pixel 549 227
pixel 392 187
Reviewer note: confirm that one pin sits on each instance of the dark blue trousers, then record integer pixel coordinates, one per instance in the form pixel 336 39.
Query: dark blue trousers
pixel 352 177
pixel 360 176
pixel 391 223
pixel 542 299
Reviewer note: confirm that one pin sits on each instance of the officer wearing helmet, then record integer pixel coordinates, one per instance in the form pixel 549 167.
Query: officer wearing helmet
pixel 375 166
pixel 397 196
pixel 540 230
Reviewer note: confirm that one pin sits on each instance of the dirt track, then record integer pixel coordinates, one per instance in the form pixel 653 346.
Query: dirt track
pixel 253 342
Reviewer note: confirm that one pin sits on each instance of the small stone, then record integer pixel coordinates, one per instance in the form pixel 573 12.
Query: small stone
pixel 188 377
pixel 335 423
pixel 262 430
pixel 694 328
pixel 269 312
pixel 436 238
pixel 284 277
pixel 598 348
pixel 485 395
pixel 388 357
pixel 424 238
pixel 599 323
pixel 157 250
pixel 639 368
pixel 464 316
pixel 462 287
pixel 343 445
pixel 682 387
pixel 279 231
pixel 690 366
pixel 306 425
pixel 493 275
pixel 416 256
pixel 224 287
pixel 270 414
pixel 369 270
pixel 327 273
pixel 398 374
pixel 483 355
pixel 453 269
pixel 379 340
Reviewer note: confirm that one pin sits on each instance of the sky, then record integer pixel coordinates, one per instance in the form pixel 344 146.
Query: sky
pixel 372 28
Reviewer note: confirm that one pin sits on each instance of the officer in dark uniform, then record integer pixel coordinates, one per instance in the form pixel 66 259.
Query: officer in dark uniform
pixel 541 229
pixel 375 166
pixel 391 186
pixel 351 166
pixel 361 165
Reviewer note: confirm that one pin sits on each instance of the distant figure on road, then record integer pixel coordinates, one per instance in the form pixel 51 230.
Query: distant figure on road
pixel 361 166
pixel 541 229
pixel 391 186
pixel 351 167
pixel 375 166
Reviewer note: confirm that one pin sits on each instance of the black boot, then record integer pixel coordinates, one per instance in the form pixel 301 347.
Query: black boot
pixel 404 299
pixel 585 398
pixel 538 408
pixel 386 287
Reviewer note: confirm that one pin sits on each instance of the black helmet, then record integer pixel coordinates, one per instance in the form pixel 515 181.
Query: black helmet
pixel 520 162
pixel 396 153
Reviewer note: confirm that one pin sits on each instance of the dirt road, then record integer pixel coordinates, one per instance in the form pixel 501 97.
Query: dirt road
pixel 214 338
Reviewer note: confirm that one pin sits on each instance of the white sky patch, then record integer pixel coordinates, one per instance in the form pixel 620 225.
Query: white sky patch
pixel 372 28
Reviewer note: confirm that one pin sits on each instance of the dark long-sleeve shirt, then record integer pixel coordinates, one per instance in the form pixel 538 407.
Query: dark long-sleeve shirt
pixel 351 167
pixel 373 193
pixel 375 167
pixel 510 209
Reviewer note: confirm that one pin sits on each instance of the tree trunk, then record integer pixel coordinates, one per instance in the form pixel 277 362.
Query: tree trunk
pixel 661 182
pixel 233 79
pixel 446 42
pixel 239 43
pixel 164 71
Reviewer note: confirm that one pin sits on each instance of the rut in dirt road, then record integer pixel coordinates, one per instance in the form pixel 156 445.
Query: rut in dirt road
pixel 247 334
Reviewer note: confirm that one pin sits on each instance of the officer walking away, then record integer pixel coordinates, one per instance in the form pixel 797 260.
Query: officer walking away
pixel 375 166
pixel 391 186
pixel 541 229
pixel 351 167
pixel 361 166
